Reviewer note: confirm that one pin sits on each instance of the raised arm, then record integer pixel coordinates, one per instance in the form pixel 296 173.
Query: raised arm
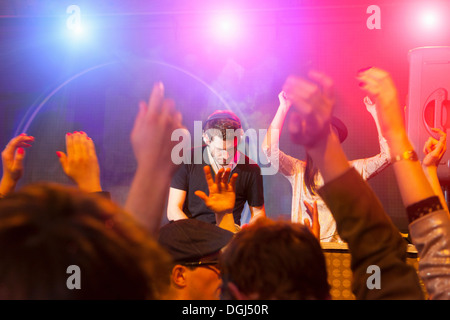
pixel 272 137
pixel 429 222
pixel 360 217
pixel 434 150
pixel 310 126
pixel 12 159
pixel 412 182
pixel 371 166
pixel 152 146
pixel 270 144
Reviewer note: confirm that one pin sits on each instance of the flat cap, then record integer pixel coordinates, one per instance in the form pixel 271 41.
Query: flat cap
pixel 190 240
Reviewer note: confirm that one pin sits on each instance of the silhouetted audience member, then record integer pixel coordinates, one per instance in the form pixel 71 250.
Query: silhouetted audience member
pixel 79 163
pixel 12 162
pixel 47 228
pixel 195 247
pixel 48 231
pixel 421 194
pixel 150 138
pixel 274 260
pixel 372 238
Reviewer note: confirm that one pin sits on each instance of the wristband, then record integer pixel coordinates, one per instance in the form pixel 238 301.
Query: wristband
pixel 422 208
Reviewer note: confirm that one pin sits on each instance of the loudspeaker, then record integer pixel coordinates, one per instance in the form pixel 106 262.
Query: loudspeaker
pixel 428 103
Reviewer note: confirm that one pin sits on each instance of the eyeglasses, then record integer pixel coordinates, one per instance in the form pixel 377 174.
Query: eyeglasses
pixel 200 263
pixel 211 265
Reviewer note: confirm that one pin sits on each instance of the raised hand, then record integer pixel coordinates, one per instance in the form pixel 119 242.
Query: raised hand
pixel 434 149
pixel 222 197
pixel 151 135
pixel 12 159
pixel 314 227
pixel 222 193
pixel 370 106
pixel 412 182
pixel 152 145
pixel 284 101
pixel 381 88
pixel 313 100
pixel 80 163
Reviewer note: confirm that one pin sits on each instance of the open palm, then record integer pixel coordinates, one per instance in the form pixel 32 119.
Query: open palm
pixel 222 193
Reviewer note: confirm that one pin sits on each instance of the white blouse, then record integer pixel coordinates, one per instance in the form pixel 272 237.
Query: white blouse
pixel 294 169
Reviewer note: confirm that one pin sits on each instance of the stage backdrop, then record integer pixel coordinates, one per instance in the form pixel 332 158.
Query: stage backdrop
pixel 54 80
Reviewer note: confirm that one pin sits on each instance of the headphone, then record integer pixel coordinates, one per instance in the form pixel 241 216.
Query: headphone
pixel 222 114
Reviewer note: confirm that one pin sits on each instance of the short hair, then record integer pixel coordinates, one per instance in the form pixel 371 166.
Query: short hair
pixel 223 124
pixel 275 260
pixel 45 228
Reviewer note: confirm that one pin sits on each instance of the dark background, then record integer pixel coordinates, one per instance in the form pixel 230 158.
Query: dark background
pixel 52 82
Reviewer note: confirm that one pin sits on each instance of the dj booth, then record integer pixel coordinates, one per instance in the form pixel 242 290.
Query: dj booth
pixel 338 262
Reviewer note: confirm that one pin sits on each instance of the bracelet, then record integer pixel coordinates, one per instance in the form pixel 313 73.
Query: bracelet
pixel 407 155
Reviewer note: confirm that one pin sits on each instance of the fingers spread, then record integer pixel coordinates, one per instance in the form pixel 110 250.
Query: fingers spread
pixel 225 178
pixel 21 141
pixel 201 195
pixel 208 176
pixel 232 183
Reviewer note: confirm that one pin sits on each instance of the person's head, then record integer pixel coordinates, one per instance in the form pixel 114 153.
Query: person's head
pixel 274 260
pixel 58 242
pixel 222 132
pixel 195 247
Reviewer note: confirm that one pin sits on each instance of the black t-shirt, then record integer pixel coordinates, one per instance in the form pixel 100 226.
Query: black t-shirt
pixel 249 187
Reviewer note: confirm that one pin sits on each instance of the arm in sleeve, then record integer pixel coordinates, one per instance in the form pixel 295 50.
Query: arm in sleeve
pixel 431 236
pixel 369 167
pixel 372 239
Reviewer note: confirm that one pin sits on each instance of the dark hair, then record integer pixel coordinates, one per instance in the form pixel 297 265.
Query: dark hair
pixel 45 228
pixel 310 175
pixel 223 128
pixel 275 260
pixel 223 124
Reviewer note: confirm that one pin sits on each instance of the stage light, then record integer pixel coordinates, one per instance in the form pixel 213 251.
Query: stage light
pixel 226 26
pixel 430 19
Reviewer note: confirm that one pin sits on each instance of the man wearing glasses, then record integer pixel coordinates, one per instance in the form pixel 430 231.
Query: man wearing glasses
pixel 195 247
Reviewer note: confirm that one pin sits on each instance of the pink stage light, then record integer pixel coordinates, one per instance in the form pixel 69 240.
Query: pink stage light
pixel 226 27
pixel 430 19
